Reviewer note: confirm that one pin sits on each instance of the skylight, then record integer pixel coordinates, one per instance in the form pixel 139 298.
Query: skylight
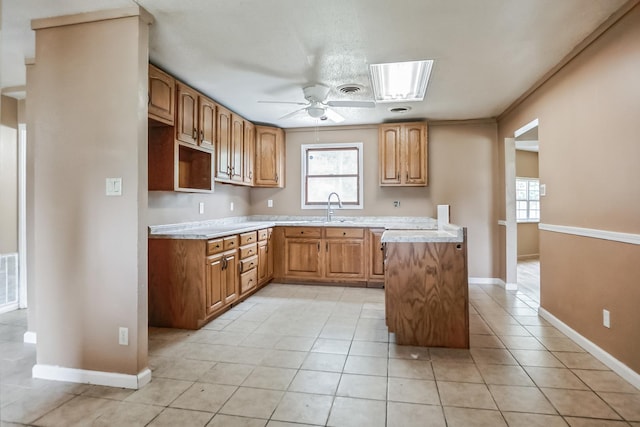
pixel 400 81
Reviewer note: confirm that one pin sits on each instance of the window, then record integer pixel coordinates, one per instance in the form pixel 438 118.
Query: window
pixel 527 200
pixel 330 168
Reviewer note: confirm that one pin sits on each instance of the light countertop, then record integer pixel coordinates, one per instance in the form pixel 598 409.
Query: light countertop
pixel 219 228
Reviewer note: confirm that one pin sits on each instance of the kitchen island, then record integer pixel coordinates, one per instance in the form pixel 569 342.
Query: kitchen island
pixel 426 286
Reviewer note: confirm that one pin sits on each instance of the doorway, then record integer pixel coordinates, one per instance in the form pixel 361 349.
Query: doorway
pixel 527 209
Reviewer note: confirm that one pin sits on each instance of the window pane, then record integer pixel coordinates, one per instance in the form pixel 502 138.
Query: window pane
pixel 521 185
pixel 521 206
pixel 318 189
pixel 534 195
pixel 534 206
pixel 332 162
pixel 521 214
pixel 534 214
pixel 521 195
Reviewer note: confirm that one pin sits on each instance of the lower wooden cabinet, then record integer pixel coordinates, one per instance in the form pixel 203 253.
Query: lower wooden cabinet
pixel 323 254
pixel 375 275
pixel 345 253
pixel 192 281
pixel 265 256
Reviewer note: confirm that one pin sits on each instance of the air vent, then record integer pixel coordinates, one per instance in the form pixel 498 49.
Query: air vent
pixel 350 88
pixel 399 110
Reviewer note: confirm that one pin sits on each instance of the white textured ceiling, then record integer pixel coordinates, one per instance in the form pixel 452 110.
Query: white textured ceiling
pixel 487 53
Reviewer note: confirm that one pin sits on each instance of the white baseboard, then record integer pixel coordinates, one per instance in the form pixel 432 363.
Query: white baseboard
pixel 30 337
pixel 493 281
pixel 614 364
pixel 59 373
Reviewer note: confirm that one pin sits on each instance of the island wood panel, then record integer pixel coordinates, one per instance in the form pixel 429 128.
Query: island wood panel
pixel 426 293
pixel 176 274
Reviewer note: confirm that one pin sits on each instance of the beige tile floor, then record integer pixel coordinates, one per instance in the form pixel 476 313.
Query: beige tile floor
pixel 308 355
pixel 528 273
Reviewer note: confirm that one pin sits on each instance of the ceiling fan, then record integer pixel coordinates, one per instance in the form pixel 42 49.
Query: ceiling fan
pixel 317 105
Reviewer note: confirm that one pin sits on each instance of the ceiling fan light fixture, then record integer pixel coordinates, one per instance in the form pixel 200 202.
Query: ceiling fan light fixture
pixel 400 81
pixel 315 111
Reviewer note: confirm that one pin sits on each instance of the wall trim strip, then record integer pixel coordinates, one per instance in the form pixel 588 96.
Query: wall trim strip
pixel 493 281
pixel 616 366
pixel 615 236
pixel 112 379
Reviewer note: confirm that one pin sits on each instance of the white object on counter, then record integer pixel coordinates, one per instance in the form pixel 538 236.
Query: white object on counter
pixel 443 216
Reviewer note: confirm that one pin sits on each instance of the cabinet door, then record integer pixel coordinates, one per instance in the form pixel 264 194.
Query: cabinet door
pixel 389 154
pixel 269 157
pixel 161 96
pixel 376 265
pixel 237 149
pixel 248 154
pixel 230 289
pixel 270 255
pixel 345 259
pixel 207 122
pixel 415 154
pixel 303 258
pixel 187 116
pixel 263 257
pixel 214 283
pixel 223 146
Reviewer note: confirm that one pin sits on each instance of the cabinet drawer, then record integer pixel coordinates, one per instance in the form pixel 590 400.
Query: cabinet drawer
pixel 248 264
pixel 248 280
pixel 303 232
pixel 263 234
pixel 344 232
pixel 248 250
pixel 214 246
pixel 230 242
pixel 246 238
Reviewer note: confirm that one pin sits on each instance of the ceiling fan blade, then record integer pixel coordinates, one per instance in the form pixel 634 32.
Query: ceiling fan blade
pixel 291 114
pixel 333 116
pixel 283 102
pixel 353 104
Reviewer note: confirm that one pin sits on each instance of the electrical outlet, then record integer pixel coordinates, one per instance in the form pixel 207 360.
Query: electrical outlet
pixel 201 208
pixel 123 336
pixel 269 203
pixel 231 206
pixel 396 203
pixel 606 319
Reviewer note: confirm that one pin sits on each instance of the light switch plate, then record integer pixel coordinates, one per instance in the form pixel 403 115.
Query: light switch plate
pixel 114 187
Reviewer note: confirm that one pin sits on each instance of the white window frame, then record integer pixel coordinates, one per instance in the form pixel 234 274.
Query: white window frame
pixel 303 162
pixel 528 219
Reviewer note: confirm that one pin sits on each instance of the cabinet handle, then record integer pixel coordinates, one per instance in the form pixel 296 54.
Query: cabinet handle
pixel 224 263
pixel 326 247
pixel 344 233
pixel 398 177
pixel 250 174
pixel 407 176
pixel 302 232
pixel 201 136
pixel 276 177
pixel 318 247
pixel 195 134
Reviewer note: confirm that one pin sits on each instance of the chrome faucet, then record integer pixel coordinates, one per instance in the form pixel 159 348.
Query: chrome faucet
pixel 329 211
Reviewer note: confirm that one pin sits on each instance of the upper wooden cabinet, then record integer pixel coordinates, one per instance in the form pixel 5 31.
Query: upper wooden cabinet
pixel 236 153
pixel 270 154
pixel 403 154
pixel 196 115
pixel 223 145
pixel 161 96
pixel 248 152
